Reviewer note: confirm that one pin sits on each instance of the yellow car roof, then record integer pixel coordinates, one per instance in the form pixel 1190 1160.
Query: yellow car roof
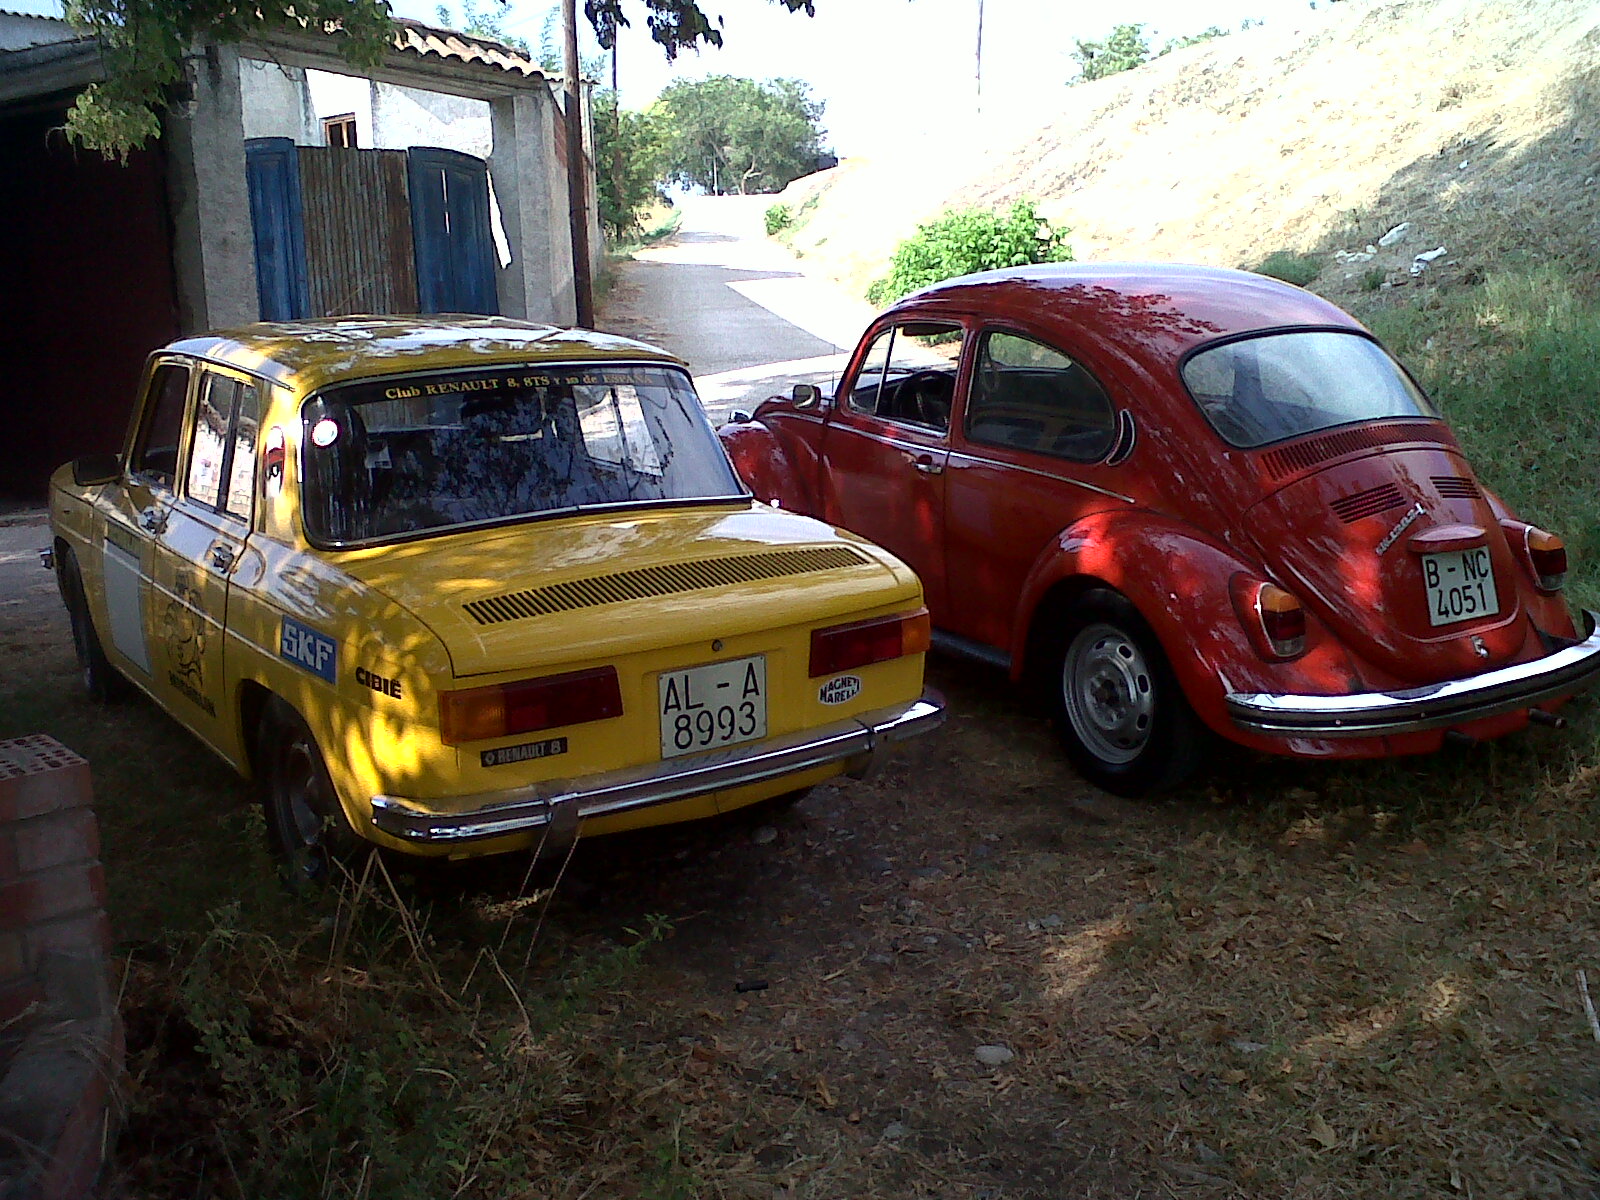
pixel 306 355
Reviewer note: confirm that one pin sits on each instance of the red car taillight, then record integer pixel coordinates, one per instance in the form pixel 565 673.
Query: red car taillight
pixel 1282 619
pixel 841 647
pixel 501 709
pixel 1547 555
pixel 1273 617
pixel 1544 554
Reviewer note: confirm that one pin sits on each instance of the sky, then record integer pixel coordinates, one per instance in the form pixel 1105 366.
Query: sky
pixel 886 67
pixel 887 71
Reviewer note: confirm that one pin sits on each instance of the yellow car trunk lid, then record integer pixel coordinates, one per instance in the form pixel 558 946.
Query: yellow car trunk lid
pixel 599 586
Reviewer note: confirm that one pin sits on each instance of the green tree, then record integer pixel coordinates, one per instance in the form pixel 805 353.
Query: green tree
pixel 1123 49
pixel 727 134
pixel 967 240
pixel 627 167
pixel 482 22
pixel 142 44
pixel 675 25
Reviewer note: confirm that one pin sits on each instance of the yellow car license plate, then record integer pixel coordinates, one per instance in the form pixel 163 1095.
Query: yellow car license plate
pixel 719 704
pixel 1460 585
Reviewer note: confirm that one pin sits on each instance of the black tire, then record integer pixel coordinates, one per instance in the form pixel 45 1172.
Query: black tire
pixel 1119 711
pixel 306 826
pixel 101 681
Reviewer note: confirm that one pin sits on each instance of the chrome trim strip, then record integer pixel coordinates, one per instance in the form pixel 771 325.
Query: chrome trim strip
pixel 1434 706
pixel 884 440
pixel 1006 466
pixel 520 810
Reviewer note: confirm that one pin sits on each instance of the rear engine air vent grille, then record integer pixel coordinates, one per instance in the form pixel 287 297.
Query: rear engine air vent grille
pixel 1301 456
pixel 658 581
pixel 1368 503
pixel 1456 487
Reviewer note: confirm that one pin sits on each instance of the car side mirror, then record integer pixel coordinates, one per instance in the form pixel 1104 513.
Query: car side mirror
pixel 94 469
pixel 806 395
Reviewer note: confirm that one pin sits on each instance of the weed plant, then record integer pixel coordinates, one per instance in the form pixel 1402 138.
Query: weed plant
pixel 967 240
pixel 372 1052
pixel 1298 269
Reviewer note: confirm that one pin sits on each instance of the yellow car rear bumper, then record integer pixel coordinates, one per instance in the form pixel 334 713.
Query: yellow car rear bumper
pixel 560 804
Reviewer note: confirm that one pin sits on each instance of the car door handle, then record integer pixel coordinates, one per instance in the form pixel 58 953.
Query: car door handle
pixel 928 466
pixel 152 520
pixel 222 557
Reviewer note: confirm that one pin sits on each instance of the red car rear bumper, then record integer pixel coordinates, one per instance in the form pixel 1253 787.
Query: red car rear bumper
pixel 1434 706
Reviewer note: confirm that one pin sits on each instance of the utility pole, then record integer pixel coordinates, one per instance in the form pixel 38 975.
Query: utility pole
pixel 979 71
pixel 577 189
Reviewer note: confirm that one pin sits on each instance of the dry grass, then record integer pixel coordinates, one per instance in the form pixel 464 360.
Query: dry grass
pixel 1292 980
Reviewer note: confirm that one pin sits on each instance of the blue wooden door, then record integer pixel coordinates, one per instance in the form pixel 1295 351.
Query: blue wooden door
pixel 450 231
pixel 272 170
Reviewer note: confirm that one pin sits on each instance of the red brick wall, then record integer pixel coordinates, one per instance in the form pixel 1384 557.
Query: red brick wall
pixel 55 952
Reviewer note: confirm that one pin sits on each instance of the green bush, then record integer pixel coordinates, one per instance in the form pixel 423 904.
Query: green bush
pixel 779 218
pixel 1298 269
pixel 967 240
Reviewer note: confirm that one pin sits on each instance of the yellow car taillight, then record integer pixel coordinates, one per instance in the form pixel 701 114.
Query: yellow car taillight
pixel 528 705
pixel 842 647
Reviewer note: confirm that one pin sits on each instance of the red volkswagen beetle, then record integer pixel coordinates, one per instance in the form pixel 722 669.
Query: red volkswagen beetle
pixel 1187 499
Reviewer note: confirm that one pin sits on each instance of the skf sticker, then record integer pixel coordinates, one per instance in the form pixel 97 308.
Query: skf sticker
pixel 381 684
pixel 307 648
pixel 505 756
pixel 839 690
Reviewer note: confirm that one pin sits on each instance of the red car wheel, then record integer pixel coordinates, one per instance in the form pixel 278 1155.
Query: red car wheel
pixel 1121 715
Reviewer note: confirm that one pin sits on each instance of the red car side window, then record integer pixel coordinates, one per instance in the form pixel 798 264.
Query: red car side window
pixel 1029 396
pixel 909 374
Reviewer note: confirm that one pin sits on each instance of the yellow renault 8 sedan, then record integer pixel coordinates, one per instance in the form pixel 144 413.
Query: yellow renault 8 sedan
pixel 465 585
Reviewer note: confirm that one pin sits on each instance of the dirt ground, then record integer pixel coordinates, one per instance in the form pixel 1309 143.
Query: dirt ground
pixel 971 975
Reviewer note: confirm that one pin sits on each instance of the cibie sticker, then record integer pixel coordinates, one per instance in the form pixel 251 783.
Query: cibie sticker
pixel 307 648
pixel 839 690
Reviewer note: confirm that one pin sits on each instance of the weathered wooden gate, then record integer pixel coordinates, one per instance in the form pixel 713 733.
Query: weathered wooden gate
pixel 450 220
pixel 340 230
pixel 272 173
pixel 359 256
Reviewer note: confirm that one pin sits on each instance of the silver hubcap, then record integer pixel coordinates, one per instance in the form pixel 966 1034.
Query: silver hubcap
pixel 1109 695
pixel 305 807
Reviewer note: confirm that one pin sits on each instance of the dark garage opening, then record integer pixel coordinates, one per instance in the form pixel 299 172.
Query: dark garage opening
pixel 86 292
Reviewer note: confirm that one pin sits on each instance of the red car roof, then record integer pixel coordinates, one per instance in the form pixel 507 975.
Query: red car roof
pixel 1163 308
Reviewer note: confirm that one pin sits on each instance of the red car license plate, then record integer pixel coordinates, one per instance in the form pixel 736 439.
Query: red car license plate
pixel 1460 585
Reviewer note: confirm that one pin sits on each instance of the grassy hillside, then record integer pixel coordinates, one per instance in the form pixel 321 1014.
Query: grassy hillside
pixel 1472 119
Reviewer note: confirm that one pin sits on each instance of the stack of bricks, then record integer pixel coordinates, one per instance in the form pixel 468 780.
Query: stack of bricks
pixel 60 1039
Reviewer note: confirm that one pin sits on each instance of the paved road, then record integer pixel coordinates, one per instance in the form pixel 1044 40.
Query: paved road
pixel 736 305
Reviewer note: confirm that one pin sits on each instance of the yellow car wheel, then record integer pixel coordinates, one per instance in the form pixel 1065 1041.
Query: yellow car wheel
pixel 306 826
pixel 101 680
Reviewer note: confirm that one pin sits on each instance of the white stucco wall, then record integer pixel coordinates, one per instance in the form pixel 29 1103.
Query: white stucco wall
pixel 276 102
pixel 403 116
pixel 333 96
